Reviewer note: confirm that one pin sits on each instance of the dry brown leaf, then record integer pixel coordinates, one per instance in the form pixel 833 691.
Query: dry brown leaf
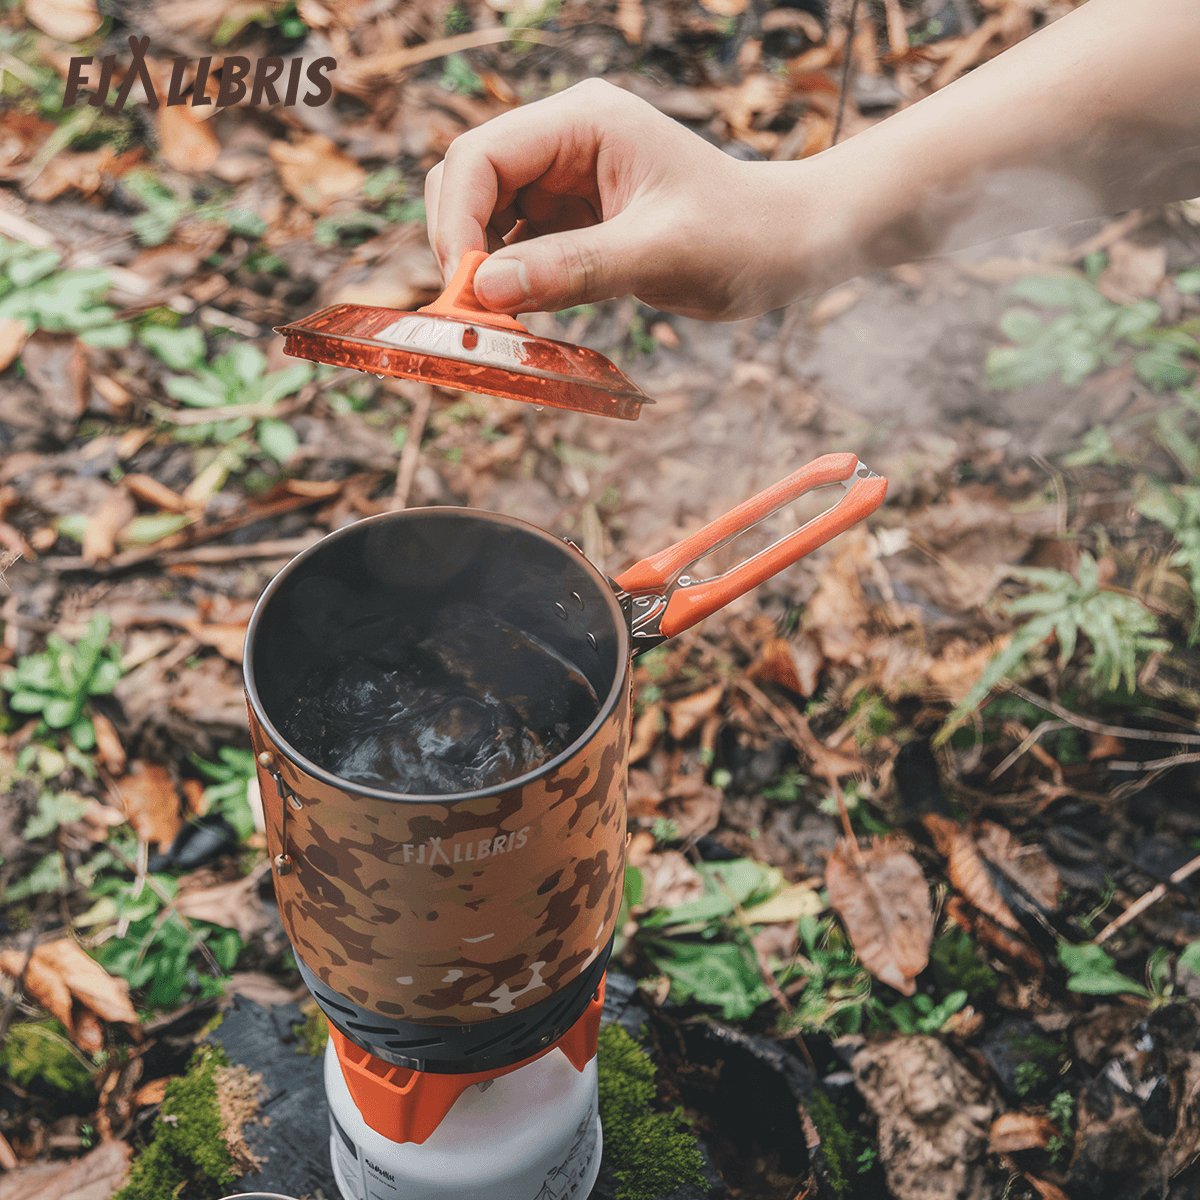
pixel 12 337
pixel 631 20
pixel 838 611
pixel 228 640
pixel 100 537
pixel 66 20
pixel 151 805
pixel 315 171
pixel 1134 272
pixel 688 714
pixel 1025 865
pixel 86 171
pixel 1104 745
pixel 883 900
pixel 259 987
pixel 933 1117
pixel 186 144
pixel 967 871
pixel 59 973
pixel 89 1032
pixel 987 932
pixel 725 8
pixel 108 745
pixel 89 982
pixel 1012 1131
pixel 696 805
pixel 668 880
pixel 645 795
pixel 233 905
pixel 56 366
pixel 645 732
pixel 43 985
pixel 152 1093
pixel 793 663
pixel 95 1176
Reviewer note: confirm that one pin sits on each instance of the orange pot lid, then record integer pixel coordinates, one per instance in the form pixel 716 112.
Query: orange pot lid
pixel 457 343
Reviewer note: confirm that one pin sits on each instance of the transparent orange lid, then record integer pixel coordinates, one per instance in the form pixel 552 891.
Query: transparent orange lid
pixel 457 343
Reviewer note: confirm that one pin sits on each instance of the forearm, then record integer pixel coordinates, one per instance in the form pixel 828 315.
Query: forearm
pixel 1097 113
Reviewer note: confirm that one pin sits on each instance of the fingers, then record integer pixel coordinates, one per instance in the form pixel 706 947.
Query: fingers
pixel 554 140
pixel 558 270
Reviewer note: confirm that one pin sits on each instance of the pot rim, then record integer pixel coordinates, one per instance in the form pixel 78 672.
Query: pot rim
pixel 298 760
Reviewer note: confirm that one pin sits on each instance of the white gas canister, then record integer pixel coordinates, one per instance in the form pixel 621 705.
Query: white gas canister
pixel 533 1134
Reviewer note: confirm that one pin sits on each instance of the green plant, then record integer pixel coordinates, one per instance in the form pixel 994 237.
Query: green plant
pixel 1093 972
pixel 837 989
pixel 787 787
pixel 59 681
pixel 956 965
pixel 1085 337
pixel 1062 1113
pixel 921 1014
pixel 665 829
pixel 228 789
pixel 54 809
pixel 163 208
pixel 459 76
pixel 239 376
pixel 1030 1076
pixel 1119 627
pixel 1178 509
pixel 188 1159
pixel 33 290
pixel 651 1152
pixel 313 1034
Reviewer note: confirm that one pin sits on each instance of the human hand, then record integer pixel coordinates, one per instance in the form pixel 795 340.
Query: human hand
pixel 593 193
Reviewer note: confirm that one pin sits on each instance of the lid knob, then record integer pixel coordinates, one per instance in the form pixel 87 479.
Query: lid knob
pixel 460 302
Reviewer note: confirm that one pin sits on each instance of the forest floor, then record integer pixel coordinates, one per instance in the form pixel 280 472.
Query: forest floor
pixel 975 716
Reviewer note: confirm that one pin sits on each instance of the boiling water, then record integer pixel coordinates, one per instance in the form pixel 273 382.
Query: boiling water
pixel 458 703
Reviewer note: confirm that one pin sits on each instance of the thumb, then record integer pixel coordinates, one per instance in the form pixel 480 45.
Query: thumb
pixel 558 270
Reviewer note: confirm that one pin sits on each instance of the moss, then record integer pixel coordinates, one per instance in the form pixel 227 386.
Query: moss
pixel 652 1152
pixel 837 1142
pixel 42 1050
pixel 188 1159
pixel 314 1033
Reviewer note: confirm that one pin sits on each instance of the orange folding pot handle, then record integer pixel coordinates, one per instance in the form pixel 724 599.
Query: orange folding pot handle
pixel 681 602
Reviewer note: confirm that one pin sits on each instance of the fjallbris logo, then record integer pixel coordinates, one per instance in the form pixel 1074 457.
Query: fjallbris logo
pixel 261 82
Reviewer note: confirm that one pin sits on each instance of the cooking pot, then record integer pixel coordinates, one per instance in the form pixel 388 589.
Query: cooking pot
pixel 462 932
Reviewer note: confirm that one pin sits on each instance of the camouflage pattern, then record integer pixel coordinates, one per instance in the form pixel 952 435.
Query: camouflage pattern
pixel 460 912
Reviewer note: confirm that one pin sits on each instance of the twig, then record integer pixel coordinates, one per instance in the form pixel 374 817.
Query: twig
pixel 1153 896
pixel 389 62
pixel 1026 743
pixel 1090 726
pixel 843 86
pixel 1154 764
pixel 410 456
pixel 277 548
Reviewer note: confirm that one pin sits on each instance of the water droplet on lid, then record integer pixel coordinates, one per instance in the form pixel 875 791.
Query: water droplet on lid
pixel 539 407
pixel 378 376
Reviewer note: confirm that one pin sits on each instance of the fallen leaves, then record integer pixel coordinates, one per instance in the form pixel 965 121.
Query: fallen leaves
pixel 1013 1131
pixel 95 1176
pixel 883 899
pixel 150 802
pixel 967 870
pixel 60 975
pixel 687 715
pixel 66 20
pixel 233 905
pixel 187 143
pixel 792 663
pixel 934 1117
pixel 316 172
